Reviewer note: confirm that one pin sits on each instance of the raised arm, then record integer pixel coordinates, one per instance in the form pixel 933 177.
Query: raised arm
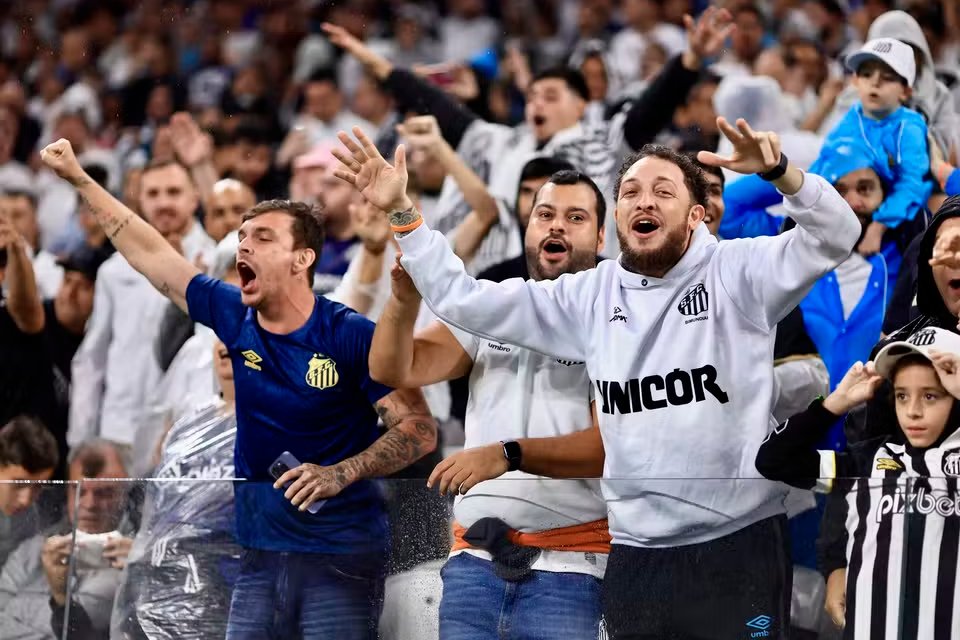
pixel 411 92
pixel 652 111
pixel 194 149
pixel 411 434
pixel 401 359
pixel 543 316
pixel 423 132
pixel 144 248
pixel 769 276
pixel 23 298
pixel 790 454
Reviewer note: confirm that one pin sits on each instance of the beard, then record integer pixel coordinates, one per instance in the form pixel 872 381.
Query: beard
pixel 657 261
pixel 577 260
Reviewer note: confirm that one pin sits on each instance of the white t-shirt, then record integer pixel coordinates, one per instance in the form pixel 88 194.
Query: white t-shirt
pixel 516 393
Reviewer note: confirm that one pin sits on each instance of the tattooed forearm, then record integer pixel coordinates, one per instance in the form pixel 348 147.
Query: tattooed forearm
pixel 397 449
pixel 113 228
pixel 411 434
pixel 403 218
pixel 79 181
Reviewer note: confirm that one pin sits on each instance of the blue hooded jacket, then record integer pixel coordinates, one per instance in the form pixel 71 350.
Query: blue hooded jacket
pixel 898 144
pixel 840 341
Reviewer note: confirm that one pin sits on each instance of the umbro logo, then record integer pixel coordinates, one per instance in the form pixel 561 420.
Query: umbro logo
pixel 252 360
pixel 618 315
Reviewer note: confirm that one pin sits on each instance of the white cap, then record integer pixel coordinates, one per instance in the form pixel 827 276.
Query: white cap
pixel 895 54
pixel 922 343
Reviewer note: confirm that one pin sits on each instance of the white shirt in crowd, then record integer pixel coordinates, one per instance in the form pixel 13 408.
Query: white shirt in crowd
pixel 628 46
pixel 115 367
pixel 682 365
pixel 516 393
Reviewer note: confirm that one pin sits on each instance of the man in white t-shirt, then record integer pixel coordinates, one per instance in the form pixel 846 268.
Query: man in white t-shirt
pixel 506 568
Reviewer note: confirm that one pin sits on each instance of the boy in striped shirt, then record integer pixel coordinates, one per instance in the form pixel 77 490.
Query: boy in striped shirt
pixel 903 513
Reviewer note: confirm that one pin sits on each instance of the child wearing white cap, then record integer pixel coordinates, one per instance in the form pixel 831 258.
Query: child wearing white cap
pixel 903 509
pixel 884 71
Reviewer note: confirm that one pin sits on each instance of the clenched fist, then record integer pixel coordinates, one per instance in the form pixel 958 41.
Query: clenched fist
pixel 60 158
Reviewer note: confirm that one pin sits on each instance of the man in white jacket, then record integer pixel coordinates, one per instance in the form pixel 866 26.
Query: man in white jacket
pixel 115 366
pixel 676 334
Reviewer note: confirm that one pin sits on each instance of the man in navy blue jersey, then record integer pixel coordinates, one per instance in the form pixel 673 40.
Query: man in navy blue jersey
pixel 302 387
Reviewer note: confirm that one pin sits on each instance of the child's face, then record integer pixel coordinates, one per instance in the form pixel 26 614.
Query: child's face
pixel 881 90
pixel 922 404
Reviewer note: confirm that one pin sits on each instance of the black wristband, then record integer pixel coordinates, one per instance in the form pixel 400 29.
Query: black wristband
pixel 778 171
pixel 513 454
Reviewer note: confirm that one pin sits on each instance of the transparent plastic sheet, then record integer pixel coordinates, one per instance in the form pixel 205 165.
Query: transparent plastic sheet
pixel 184 559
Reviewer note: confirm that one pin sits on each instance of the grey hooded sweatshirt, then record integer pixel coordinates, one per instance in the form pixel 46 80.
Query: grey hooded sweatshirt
pixel 931 98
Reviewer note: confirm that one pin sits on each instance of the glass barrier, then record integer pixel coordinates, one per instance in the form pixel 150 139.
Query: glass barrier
pixel 159 559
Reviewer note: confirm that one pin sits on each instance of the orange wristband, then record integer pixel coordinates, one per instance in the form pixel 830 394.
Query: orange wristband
pixel 407 227
pixel 940 179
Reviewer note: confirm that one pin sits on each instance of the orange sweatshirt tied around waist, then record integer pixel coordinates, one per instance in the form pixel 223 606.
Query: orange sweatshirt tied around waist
pixel 590 537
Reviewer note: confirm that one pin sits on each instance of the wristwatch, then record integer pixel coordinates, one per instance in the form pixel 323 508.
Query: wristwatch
pixel 777 171
pixel 513 454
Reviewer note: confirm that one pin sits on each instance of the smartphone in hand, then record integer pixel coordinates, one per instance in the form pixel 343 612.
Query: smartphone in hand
pixel 284 463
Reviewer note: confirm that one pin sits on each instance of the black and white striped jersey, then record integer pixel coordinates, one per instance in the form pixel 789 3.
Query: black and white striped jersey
pixel 902 521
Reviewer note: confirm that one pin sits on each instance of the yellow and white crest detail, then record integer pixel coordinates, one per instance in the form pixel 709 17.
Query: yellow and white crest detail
pixel 322 372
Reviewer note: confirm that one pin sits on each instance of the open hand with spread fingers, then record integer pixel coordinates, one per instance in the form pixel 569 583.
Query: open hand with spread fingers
pixel 753 151
pixel 707 36
pixel 384 186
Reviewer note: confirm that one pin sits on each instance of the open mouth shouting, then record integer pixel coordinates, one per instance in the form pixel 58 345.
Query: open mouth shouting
pixel 248 277
pixel 645 227
pixel 554 249
pixel 539 121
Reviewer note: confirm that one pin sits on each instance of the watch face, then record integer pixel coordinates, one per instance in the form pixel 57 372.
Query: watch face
pixel 512 452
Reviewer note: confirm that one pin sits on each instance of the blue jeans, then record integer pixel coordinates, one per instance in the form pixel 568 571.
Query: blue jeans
pixel 477 605
pixel 306 595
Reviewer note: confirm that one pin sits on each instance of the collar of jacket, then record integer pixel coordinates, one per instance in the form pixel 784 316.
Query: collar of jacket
pixel 691 259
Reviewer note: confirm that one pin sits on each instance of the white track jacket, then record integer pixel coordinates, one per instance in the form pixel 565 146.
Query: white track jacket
pixel 682 366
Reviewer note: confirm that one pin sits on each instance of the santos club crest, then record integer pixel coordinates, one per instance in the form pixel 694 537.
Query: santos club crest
pixel 695 301
pixel 322 372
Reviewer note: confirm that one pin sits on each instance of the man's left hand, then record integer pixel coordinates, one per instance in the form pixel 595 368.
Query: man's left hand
pixel 311 482
pixel 116 550
pixel 753 151
pixel 464 470
pixel 872 239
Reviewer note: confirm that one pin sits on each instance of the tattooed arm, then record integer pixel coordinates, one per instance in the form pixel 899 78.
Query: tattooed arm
pixel 411 434
pixel 144 248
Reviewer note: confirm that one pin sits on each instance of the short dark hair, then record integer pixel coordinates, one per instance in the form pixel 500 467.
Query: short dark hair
pixel 307 225
pixel 21 193
pixel 162 163
pixel 26 443
pixel 251 131
pixel 749 7
pixel 324 74
pixel 571 177
pixel 692 173
pixel 544 167
pixel 707 168
pixel 906 361
pixel 572 77
pixel 98 173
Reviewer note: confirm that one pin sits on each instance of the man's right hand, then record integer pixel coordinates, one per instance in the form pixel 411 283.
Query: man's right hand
pixel 402 285
pixel 422 132
pixel 191 144
pixel 55 557
pixel 836 601
pixel 60 158
pixel 10 238
pixel 340 37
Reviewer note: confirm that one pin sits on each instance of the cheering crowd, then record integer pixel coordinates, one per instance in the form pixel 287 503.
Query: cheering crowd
pixel 466 320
